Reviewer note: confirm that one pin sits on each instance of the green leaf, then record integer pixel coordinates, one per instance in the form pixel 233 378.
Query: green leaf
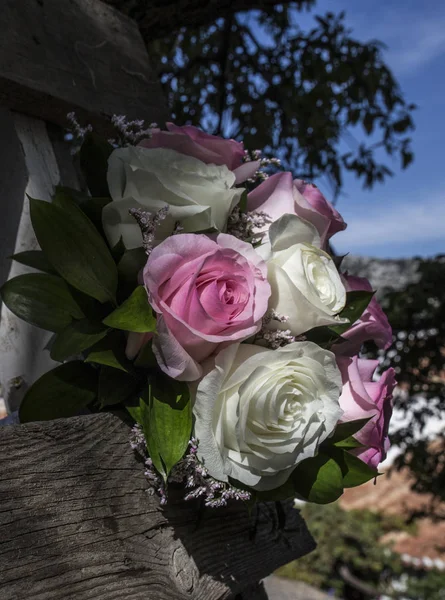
pixel 243 202
pixel 323 336
pixel 35 259
pixel 75 338
pixel 92 207
pixel 356 302
pixel 146 358
pixel 118 250
pixel 42 300
pixel 135 413
pixel 318 479
pixel 285 491
pixel 135 314
pixel 60 393
pixel 110 351
pixel 171 422
pixel 355 471
pixel 75 248
pixel 150 433
pixel 130 265
pixel 94 155
pixel 344 431
pixel 348 443
pixel 116 386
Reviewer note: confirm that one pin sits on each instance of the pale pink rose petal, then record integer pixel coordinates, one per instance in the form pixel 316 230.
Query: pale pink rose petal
pixel 246 171
pixel 373 325
pixel 209 293
pixel 364 398
pixel 171 356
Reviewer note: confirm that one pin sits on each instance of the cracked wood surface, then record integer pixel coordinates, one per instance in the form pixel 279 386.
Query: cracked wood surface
pixel 57 56
pixel 77 523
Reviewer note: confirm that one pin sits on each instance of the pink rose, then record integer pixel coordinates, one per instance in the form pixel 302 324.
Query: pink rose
pixel 210 149
pixel 279 195
pixel 207 293
pixel 372 325
pixel 333 219
pixel 362 397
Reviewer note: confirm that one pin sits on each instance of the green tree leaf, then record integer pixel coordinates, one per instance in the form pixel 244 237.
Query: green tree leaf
pixel 94 155
pixel 76 337
pixel 135 314
pixel 75 248
pixel 60 393
pixel 35 259
pixel 41 299
pixel 319 479
pixel 356 302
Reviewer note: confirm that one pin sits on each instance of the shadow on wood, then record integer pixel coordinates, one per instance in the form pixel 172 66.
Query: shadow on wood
pixel 77 522
pixel 62 55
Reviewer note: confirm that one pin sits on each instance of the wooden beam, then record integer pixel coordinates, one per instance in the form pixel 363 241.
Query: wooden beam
pixel 62 55
pixel 77 523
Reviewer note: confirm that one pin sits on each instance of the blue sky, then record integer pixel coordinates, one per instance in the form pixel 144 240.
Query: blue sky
pixel 405 216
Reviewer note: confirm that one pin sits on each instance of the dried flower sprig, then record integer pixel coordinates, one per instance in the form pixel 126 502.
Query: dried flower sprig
pixel 260 175
pixel 190 472
pixel 148 222
pixel 276 338
pixel 243 225
pixel 130 132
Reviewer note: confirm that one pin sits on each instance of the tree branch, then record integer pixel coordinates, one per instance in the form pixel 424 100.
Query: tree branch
pixel 225 50
pixel 158 18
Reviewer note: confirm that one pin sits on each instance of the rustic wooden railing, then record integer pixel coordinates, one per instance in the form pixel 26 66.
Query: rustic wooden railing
pixel 76 519
pixel 77 522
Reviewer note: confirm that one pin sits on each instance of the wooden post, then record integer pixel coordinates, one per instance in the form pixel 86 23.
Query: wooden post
pixel 77 523
pixel 56 56
pixel 76 519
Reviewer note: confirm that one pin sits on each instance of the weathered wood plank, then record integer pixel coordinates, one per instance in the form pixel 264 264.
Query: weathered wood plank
pixel 32 166
pixel 63 55
pixel 77 523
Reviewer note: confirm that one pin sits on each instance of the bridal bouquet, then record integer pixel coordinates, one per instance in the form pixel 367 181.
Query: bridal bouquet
pixel 200 295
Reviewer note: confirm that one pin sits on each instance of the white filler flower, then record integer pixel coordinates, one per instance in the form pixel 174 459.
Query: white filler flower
pixel 260 412
pixel 306 286
pixel 199 196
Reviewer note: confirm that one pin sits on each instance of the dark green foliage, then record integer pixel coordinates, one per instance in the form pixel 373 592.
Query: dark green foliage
pixel 60 393
pixel 352 541
pixel 41 299
pixel 344 538
pixel 417 315
pixel 296 94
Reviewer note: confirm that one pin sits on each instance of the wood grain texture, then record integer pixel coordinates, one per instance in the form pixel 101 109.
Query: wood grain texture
pixel 77 523
pixel 63 55
pixel 32 165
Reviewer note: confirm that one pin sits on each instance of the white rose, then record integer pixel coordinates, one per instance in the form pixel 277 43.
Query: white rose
pixel 199 196
pixel 306 286
pixel 260 412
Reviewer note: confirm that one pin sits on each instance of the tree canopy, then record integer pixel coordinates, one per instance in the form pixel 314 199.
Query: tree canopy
pixel 302 96
pixel 417 316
